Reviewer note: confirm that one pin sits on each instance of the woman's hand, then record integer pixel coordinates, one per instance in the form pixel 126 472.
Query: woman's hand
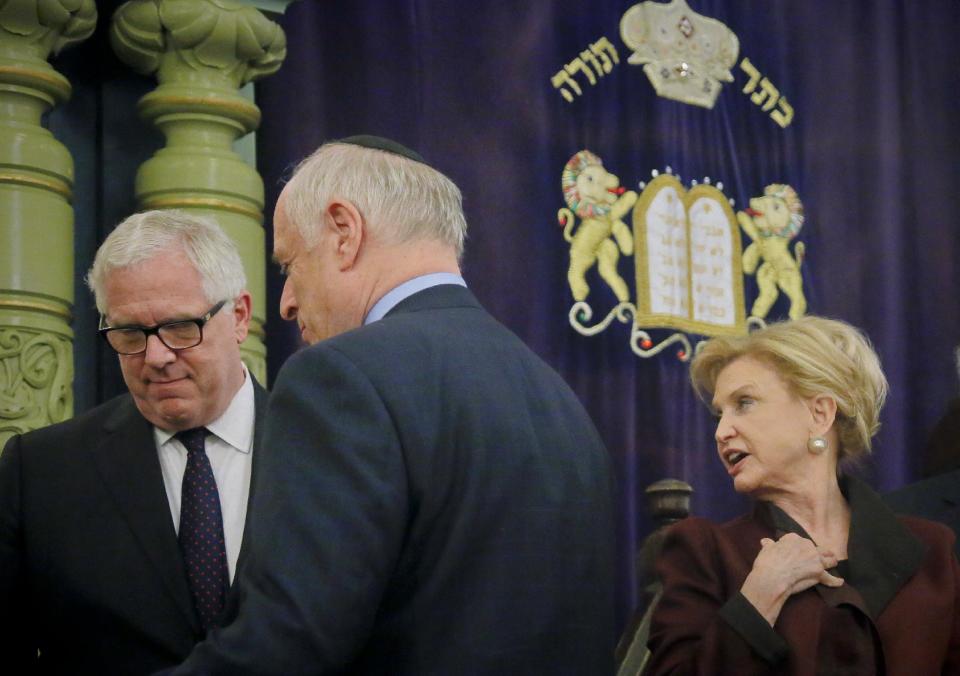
pixel 785 567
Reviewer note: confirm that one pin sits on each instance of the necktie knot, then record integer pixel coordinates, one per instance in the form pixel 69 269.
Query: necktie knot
pixel 193 439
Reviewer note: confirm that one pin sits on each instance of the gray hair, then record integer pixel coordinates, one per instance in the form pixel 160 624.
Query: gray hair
pixel 401 199
pixel 151 233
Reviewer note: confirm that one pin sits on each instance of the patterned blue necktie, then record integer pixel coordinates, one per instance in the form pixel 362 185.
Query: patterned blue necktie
pixel 201 530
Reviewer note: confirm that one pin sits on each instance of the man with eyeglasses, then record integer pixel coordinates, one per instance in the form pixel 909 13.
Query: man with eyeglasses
pixel 122 529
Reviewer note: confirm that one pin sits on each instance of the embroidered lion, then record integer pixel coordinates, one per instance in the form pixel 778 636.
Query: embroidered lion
pixel 772 221
pixel 595 195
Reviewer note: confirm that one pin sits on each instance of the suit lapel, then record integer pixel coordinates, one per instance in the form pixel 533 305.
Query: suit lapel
pixel 126 458
pixel 883 553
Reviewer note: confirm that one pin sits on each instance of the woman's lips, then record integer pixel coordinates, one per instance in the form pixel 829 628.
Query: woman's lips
pixel 734 467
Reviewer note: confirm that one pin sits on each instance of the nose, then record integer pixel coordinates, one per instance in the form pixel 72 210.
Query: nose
pixel 725 431
pixel 288 302
pixel 157 354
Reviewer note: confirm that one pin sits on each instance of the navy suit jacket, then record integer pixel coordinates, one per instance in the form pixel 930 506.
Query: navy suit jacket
pixel 90 569
pixel 435 501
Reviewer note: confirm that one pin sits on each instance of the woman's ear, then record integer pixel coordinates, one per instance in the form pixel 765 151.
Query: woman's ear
pixel 823 410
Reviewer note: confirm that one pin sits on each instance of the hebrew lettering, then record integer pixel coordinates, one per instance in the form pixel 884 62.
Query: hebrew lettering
pixel 754 74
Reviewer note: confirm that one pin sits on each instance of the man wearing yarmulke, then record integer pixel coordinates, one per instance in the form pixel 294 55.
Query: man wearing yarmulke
pixel 435 499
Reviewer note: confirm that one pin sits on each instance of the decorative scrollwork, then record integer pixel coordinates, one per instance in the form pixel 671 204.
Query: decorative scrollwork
pixel 643 346
pixel 38 361
pixel 222 35
pixel 640 341
pixel 582 312
pixel 36 373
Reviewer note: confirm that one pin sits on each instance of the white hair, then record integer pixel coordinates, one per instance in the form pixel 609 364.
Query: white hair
pixel 400 199
pixel 151 233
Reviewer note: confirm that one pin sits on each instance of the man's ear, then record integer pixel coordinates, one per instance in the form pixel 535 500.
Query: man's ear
pixel 242 308
pixel 347 225
pixel 823 409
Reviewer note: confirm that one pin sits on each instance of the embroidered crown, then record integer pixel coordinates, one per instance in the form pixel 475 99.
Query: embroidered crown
pixel 684 54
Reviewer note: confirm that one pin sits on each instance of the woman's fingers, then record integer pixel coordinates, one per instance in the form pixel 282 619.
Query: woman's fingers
pixel 828 560
pixel 830 580
pixel 799 560
pixel 785 567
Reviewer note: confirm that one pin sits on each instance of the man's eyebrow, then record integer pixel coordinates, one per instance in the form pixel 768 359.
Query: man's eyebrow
pixel 181 317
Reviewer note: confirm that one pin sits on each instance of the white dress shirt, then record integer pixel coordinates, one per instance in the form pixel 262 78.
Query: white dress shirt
pixel 230 449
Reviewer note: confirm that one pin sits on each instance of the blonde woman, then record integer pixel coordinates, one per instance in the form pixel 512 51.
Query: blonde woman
pixel 820 577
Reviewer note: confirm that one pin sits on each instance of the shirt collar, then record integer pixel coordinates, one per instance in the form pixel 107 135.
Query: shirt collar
pixel 235 424
pixel 407 289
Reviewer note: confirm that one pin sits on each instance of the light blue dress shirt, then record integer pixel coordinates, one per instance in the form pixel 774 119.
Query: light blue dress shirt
pixel 399 293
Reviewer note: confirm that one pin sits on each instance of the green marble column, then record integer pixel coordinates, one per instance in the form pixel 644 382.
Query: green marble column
pixel 203 52
pixel 36 218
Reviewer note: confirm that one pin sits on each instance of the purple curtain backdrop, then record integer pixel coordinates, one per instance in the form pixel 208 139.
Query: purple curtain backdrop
pixel 873 152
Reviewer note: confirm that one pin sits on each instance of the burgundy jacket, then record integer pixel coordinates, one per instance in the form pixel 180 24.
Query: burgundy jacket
pixel 902 577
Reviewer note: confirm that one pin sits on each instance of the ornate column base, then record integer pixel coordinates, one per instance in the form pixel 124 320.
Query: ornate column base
pixel 36 363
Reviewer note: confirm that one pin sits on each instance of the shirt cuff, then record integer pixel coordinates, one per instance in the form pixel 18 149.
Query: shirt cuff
pixel 747 621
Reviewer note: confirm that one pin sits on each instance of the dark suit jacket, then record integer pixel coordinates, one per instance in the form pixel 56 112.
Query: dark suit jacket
pixel 435 501
pixel 936 498
pixel 903 568
pixel 90 569
pixel 942 452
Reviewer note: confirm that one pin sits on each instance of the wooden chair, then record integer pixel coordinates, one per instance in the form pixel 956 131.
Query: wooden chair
pixel 668 501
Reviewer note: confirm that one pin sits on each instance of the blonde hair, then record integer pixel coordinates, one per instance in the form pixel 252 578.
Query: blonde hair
pixel 814 356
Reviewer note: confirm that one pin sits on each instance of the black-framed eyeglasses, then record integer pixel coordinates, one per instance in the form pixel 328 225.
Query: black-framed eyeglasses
pixel 179 335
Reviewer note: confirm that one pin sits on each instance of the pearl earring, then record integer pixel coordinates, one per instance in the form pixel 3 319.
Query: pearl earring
pixel 817 445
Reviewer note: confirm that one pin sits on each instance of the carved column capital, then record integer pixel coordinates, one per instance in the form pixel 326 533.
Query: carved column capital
pixel 45 26
pixel 31 30
pixel 207 42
